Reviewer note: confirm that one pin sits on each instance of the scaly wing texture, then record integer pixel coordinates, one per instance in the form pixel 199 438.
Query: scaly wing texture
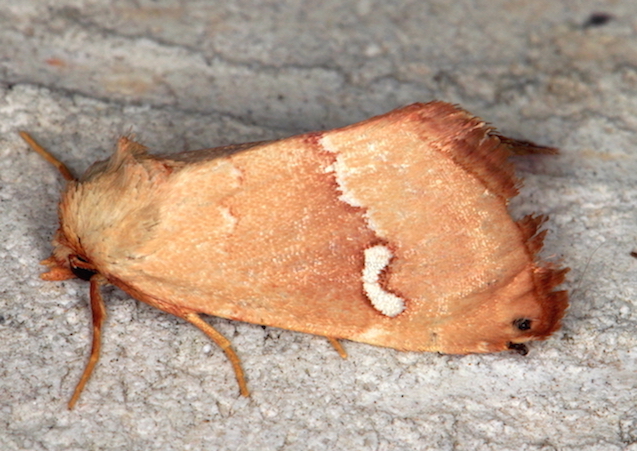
pixel 278 234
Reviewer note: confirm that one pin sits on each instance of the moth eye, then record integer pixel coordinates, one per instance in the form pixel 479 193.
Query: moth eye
pixel 83 273
pixel 79 271
pixel 520 348
pixel 522 324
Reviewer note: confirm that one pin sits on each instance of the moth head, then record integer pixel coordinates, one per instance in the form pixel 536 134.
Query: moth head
pixel 106 213
pixel 67 261
pixel 81 267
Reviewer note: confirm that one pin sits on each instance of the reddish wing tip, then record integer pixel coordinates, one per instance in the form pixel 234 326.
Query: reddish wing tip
pixel 547 277
pixel 526 147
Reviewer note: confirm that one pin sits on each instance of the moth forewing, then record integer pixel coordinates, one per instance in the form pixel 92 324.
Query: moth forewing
pixel 393 232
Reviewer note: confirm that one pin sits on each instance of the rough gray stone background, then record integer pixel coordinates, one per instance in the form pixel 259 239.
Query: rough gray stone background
pixel 186 75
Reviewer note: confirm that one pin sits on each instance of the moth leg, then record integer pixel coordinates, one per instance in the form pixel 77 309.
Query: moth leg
pixel 99 315
pixel 338 346
pixel 47 156
pixel 224 344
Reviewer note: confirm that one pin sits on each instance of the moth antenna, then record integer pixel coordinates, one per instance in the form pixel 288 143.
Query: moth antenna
pixel 66 173
pixel 338 346
pixel 99 315
pixel 224 344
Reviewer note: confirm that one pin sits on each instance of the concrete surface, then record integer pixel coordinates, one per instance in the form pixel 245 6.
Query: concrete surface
pixel 186 75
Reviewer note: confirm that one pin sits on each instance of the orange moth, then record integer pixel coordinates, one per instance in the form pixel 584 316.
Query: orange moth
pixel 393 231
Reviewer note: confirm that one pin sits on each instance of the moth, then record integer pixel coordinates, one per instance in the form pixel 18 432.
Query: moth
pixel 393 232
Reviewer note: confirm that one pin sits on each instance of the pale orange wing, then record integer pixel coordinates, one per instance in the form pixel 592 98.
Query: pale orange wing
pixel 293 234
